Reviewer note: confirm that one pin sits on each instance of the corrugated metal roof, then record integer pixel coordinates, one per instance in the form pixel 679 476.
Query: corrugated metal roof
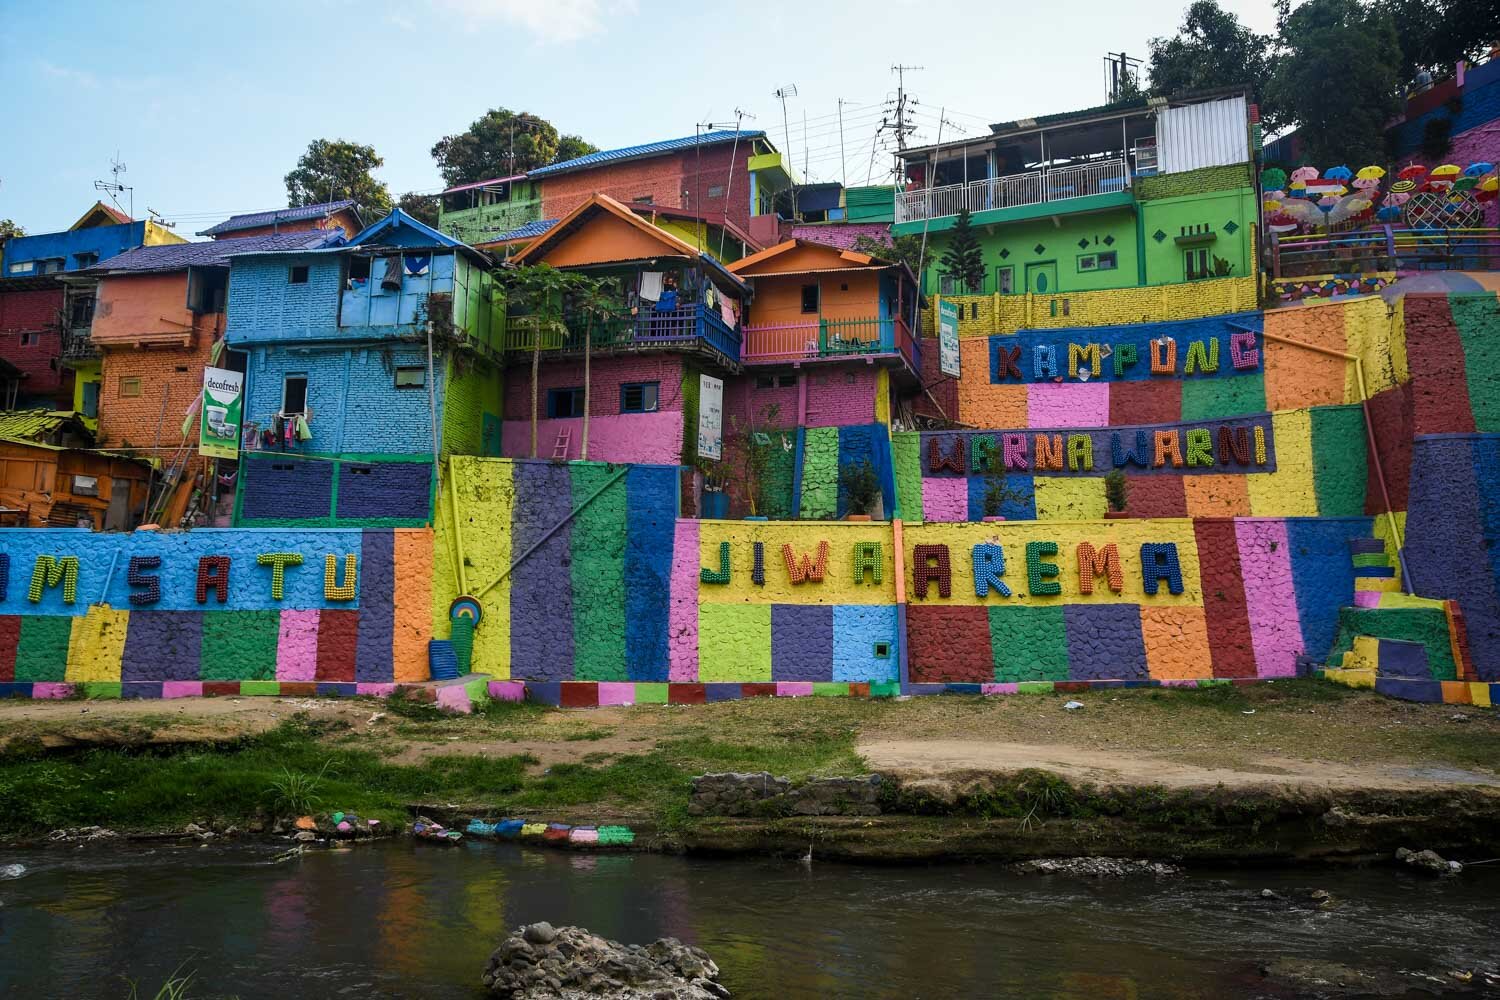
pixel 648 149
pixel 211 253
pixel 35 426
pixel 1212 134
pixel 530 231
pixel 254 220
pixel 479 184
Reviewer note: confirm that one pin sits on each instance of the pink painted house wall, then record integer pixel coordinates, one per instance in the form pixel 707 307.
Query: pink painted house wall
pixel 613 436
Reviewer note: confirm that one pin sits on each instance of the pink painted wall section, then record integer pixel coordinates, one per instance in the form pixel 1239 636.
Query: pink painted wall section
pixel 1480 144
pixel 181 689
pixel 629 437
pixel 623 693
pixel 297 646
pixel 840 396
pixel 1271 602
pixel 606 375
pixel 1071 405
pixel 945 499
pixel 682 621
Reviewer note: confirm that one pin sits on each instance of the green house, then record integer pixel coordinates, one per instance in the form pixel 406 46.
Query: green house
pixel 474 213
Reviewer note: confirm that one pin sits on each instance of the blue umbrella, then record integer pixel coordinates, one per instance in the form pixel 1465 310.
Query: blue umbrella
pixel 1338 174
pixel 1478 169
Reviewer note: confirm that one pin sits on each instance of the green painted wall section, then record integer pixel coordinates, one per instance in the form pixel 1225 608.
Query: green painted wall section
pixel 1202 181
pixel 906 458
pixel 1339 456
pixel 42 652
pixel 1212 398
pixel 776 490
pixel 1429 626
pixel 471 389
pixel 240 645
pixel 734 642
pixel 820 473
pixel 1029 644
pixel 1478 323
pixel 1015 245
pixel 1230 215
pixel 598 549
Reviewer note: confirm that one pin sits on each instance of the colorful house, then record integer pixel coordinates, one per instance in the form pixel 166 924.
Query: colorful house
pixel 1137 193
pixel 44 317
pixel 51 475
pixel 363 363
pixel 723 240
pixel 474 213
pixel 628 390
pixel 329 215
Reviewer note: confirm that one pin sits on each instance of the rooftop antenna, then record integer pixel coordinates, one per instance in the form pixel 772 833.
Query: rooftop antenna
pixel 782 93
pixel 1120 70
pixel 159 219
pixel 903 128
pixel 739 116
pixel 115 187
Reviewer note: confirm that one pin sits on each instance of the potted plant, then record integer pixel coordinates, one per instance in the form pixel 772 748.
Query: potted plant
pixel 996 493
pixel 861 487
pixel 1116 491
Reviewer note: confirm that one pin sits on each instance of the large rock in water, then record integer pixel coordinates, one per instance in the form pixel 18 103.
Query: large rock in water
pixel 542 962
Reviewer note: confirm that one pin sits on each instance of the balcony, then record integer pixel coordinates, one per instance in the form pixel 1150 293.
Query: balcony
pixel 77 345
pixel 1016 191
pixel 1385 249
pixel 831 339
pixel 691 328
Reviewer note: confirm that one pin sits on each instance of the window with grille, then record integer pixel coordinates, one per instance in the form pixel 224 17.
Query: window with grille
pixel 638 397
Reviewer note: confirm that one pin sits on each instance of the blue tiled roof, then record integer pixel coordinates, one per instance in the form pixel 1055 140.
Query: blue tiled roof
pixel 254 220
pixel 213 253
pixel 530 231
pixel 649 149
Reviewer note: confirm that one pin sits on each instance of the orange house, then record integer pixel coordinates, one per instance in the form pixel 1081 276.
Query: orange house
pixel 814 302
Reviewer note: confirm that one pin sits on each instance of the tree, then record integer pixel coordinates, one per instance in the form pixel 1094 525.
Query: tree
pixel 10 228
pixel 898 250
pixel 1212 49
pixel 502 142
pixel 963 259
pixel 1436 34
pixel 422 207
pixel 1338 78
pixel 336 169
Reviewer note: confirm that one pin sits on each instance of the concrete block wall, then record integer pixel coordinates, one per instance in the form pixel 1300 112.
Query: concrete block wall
pixel 141 615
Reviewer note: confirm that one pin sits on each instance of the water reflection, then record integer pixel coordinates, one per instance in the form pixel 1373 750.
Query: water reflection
pixel 397 920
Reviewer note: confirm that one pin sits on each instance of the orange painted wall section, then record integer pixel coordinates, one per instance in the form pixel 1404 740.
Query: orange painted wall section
pixel 149 306
pixel 606 238
pixel 778 298
pixel 132 421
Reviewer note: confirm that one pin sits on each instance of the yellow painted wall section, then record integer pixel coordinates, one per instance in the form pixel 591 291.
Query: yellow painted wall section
pixel 1111 307
pixel 1289 491
pixel 486 498
pixel 1368 331
pixel 1383 532
pixel 96 645
pixel 883 396
pixel 1012 536
pixel 837 587
pixel 1071 498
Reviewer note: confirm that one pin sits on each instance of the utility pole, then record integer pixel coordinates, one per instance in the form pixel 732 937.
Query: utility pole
pixel 843 166
pixel 902 126
pixel 782 93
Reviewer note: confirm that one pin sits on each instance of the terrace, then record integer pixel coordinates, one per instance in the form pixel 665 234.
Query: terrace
pixel 1034 187
pixel 832 339
pixel 693 328
pixel 1386 248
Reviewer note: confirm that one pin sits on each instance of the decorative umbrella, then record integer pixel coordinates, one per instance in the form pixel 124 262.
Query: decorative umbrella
pixel 1394 197
pixel 1465 183
pixel 1370 173
pixel 1339 173
pixel 1273 178
pixel 1390 213
pixel 1490 184
pixel 1404 186
pixel 1478 169
pixel 1270 204
pixel 1415 172
pixel 1281 222
pixel 1447 171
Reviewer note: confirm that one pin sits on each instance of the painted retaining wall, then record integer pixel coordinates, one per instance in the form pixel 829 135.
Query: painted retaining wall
pixel 187 613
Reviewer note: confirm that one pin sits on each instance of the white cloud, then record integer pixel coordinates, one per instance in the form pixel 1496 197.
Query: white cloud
pixel 554 21
pixel 77 77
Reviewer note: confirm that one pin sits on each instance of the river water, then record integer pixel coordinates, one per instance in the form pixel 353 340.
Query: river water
pixel 398 920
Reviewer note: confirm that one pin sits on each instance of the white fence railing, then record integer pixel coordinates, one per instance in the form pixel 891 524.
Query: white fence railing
pixel 1102 177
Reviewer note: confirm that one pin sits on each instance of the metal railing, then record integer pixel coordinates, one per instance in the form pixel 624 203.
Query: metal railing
pixel 1385 249
pixel 1014 190
pixel 665 328
pixel 77 345
pixel 784 342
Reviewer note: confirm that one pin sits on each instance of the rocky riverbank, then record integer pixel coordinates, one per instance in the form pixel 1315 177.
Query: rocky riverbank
pixel 542 962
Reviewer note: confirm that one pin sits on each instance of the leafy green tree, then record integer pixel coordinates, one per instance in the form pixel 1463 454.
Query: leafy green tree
pixel 898 250
pixel 10 228
pixel 502 142
pixel 963 259
pixel 1338 78
pixel 1212 49
pixel 1436 34
pixel 422 207
pixel 335 169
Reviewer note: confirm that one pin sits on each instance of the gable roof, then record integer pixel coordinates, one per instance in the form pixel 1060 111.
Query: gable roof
pixel 643 151
pixel 839 260
pixel 255 220
pixel 111 217
pixel 209 253
pixel 397 219
pixel 530 231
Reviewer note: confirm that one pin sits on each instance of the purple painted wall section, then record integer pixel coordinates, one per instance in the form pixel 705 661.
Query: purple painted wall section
pixel 541 594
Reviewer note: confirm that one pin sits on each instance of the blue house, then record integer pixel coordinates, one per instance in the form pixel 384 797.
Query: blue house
pixel 379 354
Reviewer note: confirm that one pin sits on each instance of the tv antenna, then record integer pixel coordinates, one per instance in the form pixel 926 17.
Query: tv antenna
pixel 699 128
pixel 114 187
pixel 902 127
pixel 159 219
pixel 782 93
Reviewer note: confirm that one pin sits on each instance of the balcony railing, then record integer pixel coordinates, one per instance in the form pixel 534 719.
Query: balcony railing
pixel 684 328
pixel 77 345
pixel 788 342
pixel 1385 249
pixel 1013 191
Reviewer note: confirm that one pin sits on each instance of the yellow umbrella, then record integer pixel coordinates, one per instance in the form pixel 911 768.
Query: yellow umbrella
pixel 1370 173
pixel 1446 170
pixel 1490 184
pixel 1401 186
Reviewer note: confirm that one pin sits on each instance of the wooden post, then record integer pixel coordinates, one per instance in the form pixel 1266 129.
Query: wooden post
pixel 588 344
pixel 536 357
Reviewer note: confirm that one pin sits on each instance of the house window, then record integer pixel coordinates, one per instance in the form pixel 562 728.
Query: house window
pixel 294 394
pixel 297 275
pixel 1108 261
pixel 130 388
pixel 83 260
pixel 564 403
pixel 29 339
pixel 787 381
pixel 359 268
pixel 1196 263
pixel 81 311
pixel 765 382
pixel 638 397
pixel 86 486
pixel 411 377
pixel 207 289
pixel 1005 280
pixel 52 265
pixel 951 284
pixel 1088 262
pixel 717 191
pixel 810 298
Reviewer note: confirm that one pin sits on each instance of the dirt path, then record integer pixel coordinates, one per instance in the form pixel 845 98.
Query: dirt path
pixel 938 757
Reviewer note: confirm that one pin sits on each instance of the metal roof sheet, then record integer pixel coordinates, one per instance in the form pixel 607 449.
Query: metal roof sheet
pixel 648 149
pixel 254 220
pixel 211 253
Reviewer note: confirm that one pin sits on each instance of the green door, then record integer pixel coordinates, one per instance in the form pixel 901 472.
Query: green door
pixel 1042 278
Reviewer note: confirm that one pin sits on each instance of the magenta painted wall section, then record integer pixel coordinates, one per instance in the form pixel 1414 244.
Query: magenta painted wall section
pixel 297 646
pixel 1070 405
pixel 682 621
pixel 654 438
pixel 1271 602
pixel 606 375
pixel 945 499
pixel 841 396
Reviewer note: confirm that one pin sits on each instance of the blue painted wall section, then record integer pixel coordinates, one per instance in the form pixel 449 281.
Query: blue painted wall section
pixel 1134 363
pixel 651 507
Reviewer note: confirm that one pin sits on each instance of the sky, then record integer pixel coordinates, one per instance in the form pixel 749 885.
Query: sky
pixel 208 105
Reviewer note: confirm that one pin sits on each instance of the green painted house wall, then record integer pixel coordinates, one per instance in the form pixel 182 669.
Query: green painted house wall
pixel 473 225
pixel 471 407
pixel 1073 237
pixel 1228 215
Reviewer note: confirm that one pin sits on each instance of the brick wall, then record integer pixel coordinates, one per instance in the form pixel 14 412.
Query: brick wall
pixel 613 436
pixel 841 395
pixel 669 181
pixel 263 301
pixel 607 374
pixel 170 380
pixel 36 312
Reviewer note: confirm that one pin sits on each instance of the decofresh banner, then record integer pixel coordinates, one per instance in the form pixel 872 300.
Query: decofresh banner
pixel 948 355
pixel 219 428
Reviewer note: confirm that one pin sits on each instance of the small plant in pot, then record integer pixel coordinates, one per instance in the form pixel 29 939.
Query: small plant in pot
pixel 861 486
pixel 1116 494
pixel 997 493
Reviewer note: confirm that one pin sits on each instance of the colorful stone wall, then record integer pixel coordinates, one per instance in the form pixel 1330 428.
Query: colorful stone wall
pixel 213 612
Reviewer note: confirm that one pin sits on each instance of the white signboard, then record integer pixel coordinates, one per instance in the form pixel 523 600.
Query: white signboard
pixel 948 355
pixel 710 417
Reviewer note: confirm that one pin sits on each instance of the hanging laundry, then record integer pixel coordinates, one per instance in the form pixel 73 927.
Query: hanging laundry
pixel 276 421
pixel 651 285
pixel 417 263
pixel 390 278
pixel 710 297
pixel 668 300
pixel 289 435
pixel 304 432
pixel 268 438
pixel 726 310
pixel 250 437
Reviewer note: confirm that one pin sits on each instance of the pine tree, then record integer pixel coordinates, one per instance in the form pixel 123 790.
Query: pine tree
pixel 964 260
